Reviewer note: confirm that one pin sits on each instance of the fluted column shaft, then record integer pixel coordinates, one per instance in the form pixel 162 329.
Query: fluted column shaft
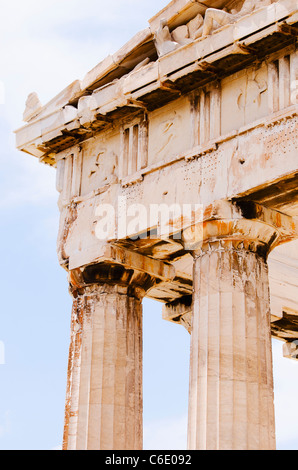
pixel 231 402
pixel 104 391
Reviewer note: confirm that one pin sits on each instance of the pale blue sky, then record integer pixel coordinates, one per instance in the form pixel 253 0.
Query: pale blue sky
pixel 45 45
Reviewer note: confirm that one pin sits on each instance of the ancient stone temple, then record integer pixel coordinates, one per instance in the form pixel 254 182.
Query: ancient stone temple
pixel 177 168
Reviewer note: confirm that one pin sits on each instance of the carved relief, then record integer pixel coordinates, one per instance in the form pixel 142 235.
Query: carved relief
pixel 244 98
pixel 163 40
pixel 216 18
pixel 100 164
pixel 167 42
pixel 251 95
pixel 200 26
pixel 171 130
pixel 33 107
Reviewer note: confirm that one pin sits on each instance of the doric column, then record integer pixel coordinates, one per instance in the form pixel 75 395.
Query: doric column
pixel 104 390
pixel 231 400
pixel 231 383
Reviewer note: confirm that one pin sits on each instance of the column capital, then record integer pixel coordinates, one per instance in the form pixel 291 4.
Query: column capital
pixel 109 279
pixel 242 225
pixel 120 271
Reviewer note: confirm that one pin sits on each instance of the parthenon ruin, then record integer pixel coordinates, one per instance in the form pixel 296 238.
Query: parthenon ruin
pixel 177 172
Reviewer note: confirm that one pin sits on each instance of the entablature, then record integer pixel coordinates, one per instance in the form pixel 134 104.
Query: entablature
pixel 154 83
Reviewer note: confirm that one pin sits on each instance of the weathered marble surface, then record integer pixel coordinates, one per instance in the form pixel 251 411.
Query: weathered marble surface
pixel 197 111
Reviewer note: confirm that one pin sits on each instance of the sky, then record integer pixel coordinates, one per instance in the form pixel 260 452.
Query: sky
pixel 44 46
